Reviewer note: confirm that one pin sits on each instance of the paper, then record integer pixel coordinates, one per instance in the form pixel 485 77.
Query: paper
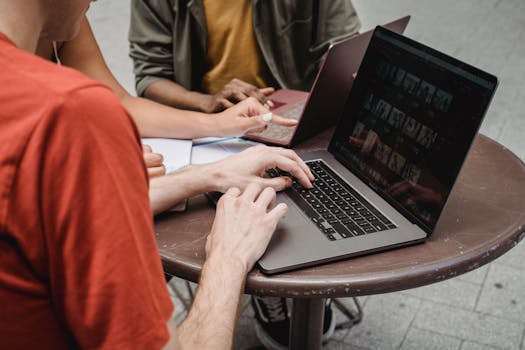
pixel 208 150
pixel 177 153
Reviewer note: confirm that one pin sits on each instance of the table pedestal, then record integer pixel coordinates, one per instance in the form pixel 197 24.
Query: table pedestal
pixel 306 329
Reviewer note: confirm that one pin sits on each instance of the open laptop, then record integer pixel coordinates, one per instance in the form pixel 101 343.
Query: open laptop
pixel 320 108
pixel 404 133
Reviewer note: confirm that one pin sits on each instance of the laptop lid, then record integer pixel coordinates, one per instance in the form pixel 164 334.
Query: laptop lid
pixel 334 81
pixel 320 108
pixel 409 122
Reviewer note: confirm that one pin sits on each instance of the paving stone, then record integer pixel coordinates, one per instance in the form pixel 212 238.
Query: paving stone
pixel 469 325
pixel 245 337
pixel 475 346
pixel 476 276
pixel 335 345
pixel 502 294
pixel 418 339
pixel 110 23
pixel 514 257
pixel 386 321
pixel 451 292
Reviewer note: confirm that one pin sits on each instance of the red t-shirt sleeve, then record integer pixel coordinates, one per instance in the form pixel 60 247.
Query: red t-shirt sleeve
pixel 104 271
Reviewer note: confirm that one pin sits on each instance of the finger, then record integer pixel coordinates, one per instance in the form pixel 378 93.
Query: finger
pixel 251 192
pixel 277 213
pixel 237 96
pixel 227 200
pixel 232 192
pixel 267 91
pixel 283 121
pixel 255 93
pixel 241 85
pixel 156 171
pixel 153 159
pixel 249 90
pixel 225 103
pixel 277 183
pixel 293 168
pixel 293 156
pixel 266 198
pixel 146 149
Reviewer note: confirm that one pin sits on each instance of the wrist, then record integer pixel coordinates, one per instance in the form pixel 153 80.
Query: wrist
pixel 216 180
pixel 232 265
pixel 205 102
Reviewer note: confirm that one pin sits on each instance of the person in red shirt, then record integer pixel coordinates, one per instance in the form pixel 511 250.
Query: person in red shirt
pixel 75 220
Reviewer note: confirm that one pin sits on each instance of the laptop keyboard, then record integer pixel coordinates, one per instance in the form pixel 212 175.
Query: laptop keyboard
pixel 336 208
pixel 283 133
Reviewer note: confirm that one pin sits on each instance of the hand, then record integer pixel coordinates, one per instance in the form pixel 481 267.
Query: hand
pixel 245 117
pixel 251 164
pixel 243 226
pixel 153 162
pixel 234 92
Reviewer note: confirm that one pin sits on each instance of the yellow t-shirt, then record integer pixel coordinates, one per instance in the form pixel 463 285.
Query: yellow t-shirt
pixel 232 50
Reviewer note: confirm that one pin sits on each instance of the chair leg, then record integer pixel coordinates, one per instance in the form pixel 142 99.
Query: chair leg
pixel 186 301
pixel 190 291
pixel 353 316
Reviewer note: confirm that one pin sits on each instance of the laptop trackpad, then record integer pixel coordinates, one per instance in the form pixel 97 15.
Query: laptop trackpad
pixel 296 242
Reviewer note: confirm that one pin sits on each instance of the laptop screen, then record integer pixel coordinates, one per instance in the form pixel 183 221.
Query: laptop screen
pixel 409 121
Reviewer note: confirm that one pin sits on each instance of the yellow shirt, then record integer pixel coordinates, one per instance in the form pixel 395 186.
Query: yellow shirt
pixel 232 50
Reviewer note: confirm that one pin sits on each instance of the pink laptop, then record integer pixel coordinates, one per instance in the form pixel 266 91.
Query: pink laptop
pixel 321 107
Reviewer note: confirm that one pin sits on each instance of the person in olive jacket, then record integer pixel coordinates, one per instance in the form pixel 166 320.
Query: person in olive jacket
pixel 207 55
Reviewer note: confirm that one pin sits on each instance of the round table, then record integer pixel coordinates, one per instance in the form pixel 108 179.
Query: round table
pixel 484 217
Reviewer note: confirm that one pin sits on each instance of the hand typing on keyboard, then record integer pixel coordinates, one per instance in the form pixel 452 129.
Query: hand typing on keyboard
pixel 248 166
pixel 334 207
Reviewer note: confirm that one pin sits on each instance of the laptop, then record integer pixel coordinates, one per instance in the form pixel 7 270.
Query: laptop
pixel 404 133
pixel 320 108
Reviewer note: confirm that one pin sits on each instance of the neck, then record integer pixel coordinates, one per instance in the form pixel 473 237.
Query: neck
pixel 22 22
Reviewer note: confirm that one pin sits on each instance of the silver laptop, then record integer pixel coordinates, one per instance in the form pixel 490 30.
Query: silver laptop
pixel 327 95
pixel 404 133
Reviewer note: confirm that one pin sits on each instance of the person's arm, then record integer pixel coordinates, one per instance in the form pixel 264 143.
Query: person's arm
pixel 172 94
pixel 237 170
pixel 154 119
pixel 241 231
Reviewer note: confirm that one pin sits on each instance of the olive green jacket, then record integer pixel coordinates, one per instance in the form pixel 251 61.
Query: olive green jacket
pixel 168 39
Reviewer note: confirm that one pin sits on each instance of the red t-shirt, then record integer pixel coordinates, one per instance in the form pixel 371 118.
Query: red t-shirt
pixel 79 265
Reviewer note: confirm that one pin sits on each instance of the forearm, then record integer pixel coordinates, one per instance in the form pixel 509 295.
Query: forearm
pixel 156 120
pixel 167 191
pixel 211 321
pixel 172 94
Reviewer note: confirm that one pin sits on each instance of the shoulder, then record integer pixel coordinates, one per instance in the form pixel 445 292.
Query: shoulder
pixel 37 88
